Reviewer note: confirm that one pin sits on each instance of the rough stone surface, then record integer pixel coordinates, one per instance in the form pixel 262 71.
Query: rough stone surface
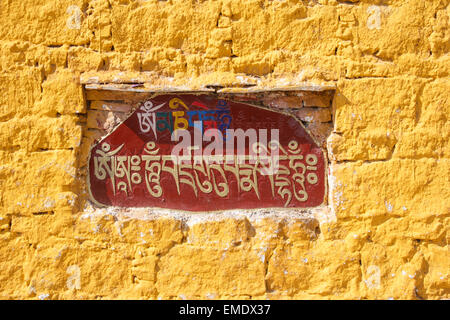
pixel 385 233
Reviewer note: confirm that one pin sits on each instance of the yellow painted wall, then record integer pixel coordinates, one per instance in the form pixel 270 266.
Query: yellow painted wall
pixel 386 232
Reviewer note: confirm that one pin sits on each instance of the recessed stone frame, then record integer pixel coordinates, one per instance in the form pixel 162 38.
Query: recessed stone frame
pixel 109 105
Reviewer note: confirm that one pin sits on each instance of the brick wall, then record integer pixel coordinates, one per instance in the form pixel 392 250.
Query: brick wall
pixel 385 232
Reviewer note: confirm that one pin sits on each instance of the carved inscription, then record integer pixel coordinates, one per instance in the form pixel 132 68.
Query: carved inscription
pixel 197 153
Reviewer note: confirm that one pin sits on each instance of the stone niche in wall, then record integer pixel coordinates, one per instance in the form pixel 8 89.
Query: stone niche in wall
pixel 205 151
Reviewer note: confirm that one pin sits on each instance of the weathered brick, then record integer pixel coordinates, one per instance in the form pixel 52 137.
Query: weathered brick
pixel 314 114
pixel 382 234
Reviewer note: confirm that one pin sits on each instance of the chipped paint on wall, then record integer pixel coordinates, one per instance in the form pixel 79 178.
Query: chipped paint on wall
pixel 389 65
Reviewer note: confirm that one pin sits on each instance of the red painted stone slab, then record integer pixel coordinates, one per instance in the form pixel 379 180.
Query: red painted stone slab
pixel 133 166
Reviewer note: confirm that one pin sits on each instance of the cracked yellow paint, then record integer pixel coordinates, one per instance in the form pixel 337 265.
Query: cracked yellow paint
pixel 386 232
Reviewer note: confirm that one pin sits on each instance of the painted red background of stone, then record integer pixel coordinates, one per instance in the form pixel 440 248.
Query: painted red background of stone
pixel 244 116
